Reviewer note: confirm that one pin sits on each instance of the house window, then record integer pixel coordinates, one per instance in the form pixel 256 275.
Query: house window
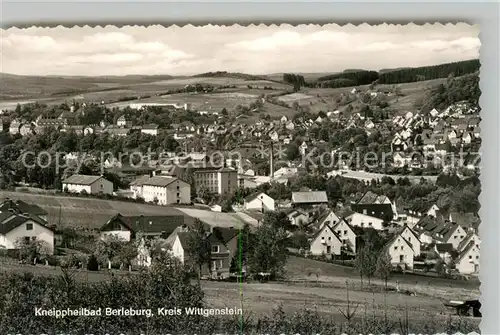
pixel 339 231
pixel 461 236
pixel 345 232
pixel 178 194
pixel 328 249
pixel 401 247
pixel 177 188
pixel 477 257
pixel 370 224
pixel 29 226
pixel 215 248
pixel 470 256
pixel 329 238
pixel 396 248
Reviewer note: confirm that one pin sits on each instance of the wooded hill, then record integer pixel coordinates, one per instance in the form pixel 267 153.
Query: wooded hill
pixel 397 76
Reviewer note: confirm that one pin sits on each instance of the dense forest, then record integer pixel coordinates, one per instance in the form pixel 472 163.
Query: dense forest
pixel 361 77
pixel 349 78
pixel 296 80
pixel 465 88
pixel 429 72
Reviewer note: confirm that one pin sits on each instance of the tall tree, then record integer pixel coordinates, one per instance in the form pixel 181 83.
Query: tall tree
pixel 199 250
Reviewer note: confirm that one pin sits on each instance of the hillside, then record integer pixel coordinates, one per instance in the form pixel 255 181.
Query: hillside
pixel 92 213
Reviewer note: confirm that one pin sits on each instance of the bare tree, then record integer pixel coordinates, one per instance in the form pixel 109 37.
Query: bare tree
pixel 384 267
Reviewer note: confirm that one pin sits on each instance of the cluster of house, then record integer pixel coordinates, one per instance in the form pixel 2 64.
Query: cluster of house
pixel 411 236
pixel 66 122
pixel 172 233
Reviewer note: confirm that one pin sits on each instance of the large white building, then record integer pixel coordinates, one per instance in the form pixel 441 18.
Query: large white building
pixel 18 226
pixel 163 190
pixel 365 221
pixel 220 181
pixel 90 184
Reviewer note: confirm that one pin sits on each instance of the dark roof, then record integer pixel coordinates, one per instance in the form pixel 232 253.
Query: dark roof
pixel 184 238
pixel 224 234
pixel 22 207
pixel 465 251
pixel 444 247
pixel 80 179
pixel 149 224
pixel 10 220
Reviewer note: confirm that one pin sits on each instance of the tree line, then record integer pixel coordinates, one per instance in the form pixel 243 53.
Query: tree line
pixel 407 75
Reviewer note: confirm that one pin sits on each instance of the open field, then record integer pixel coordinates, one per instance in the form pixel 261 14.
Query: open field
pixel 327 297
pixel 93 213
pixel 54 90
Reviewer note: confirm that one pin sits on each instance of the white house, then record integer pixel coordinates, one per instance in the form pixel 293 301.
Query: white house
pixel 346 234
pixel 412 238
pixel 296 217
pixel 14 127
pixel 468 260
pixel 122 121
pixel 150 129
pixel 90 184
pixel 15 228
pixel 400 251
pixel 364 221
pixel 326 242
pixel 330 218
pixel 163 190
pixel 451 233
pixel 128 228
pixel 260 201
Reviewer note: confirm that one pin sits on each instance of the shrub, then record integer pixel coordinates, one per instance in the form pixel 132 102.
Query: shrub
pixel 92 263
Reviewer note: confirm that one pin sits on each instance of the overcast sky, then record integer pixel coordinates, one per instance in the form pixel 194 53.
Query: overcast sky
pixel 255 49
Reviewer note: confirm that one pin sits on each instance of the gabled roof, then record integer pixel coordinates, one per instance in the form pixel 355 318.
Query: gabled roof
pixel 344 221
pixel 372 198
pixel 160 181
pixel 253 196
pixel 465 242
pixel 309 197
pixel 21 207
pixel 464 253
pixel 394 238
pixel 316 234
pixel 147 224
pixel 80 179
pixel 225 234
pixel 10 220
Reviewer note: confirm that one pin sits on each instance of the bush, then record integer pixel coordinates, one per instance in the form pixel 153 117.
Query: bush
pixel 92 263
